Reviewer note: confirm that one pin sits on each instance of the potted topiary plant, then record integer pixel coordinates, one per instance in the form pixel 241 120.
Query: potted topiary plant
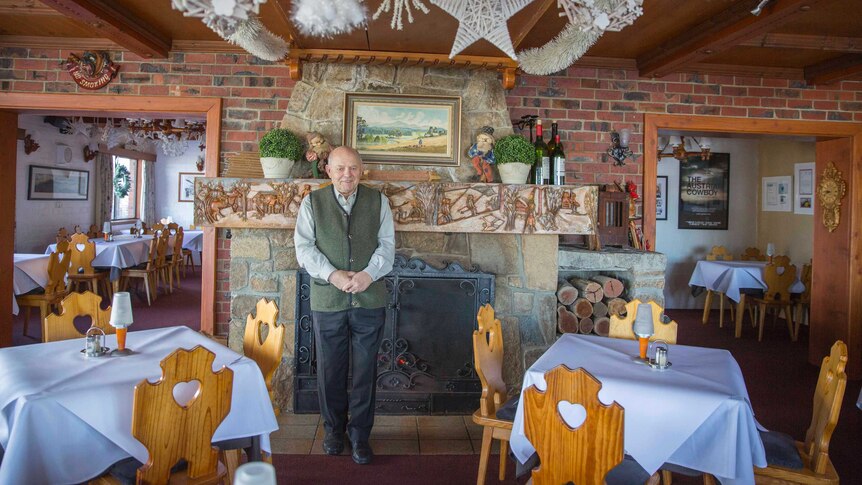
pixel 279 150
pixel 514 156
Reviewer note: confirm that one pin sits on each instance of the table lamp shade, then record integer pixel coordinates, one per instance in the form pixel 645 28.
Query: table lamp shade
pixel 106 227
pixel 121 310
pixel 644 326
pixel 770 249
pixel 255 473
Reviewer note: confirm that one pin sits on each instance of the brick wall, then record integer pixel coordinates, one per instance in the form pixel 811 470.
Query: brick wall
pixel 586 102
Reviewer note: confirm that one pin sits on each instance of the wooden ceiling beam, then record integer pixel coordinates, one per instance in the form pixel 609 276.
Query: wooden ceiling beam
pixel 26 7
pixel 106 18
pixel 284 8
pixel 811 42
pixel 833 70
pixel 728 29
pixel 537 13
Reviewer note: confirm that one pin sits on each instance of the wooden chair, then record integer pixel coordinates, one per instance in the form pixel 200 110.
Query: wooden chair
pixel 61 326
pixel 752 254
pixel 163 266
pixel 81 268
pixel 176 260
pixel 621 327
pixel 488 355
pixel 777 294
pixel 62 235
pixel 265 351
pixel 172 431
pixel 54 291
pixel 189 260
pixel 803 303
pixel 583 454
pixel 158 226
pixel 814 451
pixel 148 272
pixel 94 232
pixel 718 253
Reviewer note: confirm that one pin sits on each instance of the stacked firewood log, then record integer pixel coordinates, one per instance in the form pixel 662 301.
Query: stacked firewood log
pixel 585 305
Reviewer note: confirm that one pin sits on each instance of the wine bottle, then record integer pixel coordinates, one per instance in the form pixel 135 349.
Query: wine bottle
pixel 558 162
pixel 542 167
pixel 553 138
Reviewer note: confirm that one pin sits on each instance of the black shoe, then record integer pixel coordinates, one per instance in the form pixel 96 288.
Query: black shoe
pixel 362 453
pixel 333 443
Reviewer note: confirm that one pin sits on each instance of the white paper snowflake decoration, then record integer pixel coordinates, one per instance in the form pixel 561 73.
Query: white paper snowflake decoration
pixel 559 53
pixel 252 36
pixel 328 18
pixel 79 127
pixel 397 7
pixel 482 19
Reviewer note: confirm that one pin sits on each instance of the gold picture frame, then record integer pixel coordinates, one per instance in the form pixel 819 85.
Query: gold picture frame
pixel 404 129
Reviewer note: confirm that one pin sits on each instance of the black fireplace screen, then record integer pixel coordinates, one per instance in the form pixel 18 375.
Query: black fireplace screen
pixel 425 363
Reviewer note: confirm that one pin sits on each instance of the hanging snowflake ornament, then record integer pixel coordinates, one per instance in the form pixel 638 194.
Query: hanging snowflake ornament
pixel 482 19
pixel 397 7
pixel 328 18
pixel 252 36
pixel 79 127
pixel 601 15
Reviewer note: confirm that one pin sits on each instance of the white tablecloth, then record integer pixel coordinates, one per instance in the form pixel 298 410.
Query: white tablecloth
pixel 65 418
pixel 695 414
pixel 193 240
pixel 729 276
pixel 31 272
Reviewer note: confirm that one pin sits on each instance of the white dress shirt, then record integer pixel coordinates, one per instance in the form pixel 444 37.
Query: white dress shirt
pixel 317 265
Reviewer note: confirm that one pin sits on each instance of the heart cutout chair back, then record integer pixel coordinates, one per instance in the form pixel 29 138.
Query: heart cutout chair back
pixel 263 341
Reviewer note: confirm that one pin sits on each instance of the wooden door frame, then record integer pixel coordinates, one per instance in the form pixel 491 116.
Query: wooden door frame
pixel 165 106
pixel 851 210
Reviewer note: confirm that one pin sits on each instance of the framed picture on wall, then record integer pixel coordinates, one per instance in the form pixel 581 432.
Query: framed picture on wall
pixel 412 130
pixel 704 188
pixel 49 183
pixel 187 186
pixel 776 196
pixel 803 194
pixel 661 198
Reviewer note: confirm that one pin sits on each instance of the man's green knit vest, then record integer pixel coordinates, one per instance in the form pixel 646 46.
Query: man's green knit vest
pixel 348 242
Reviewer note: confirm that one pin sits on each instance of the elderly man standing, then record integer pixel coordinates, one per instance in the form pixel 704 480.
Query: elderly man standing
pixel 345 239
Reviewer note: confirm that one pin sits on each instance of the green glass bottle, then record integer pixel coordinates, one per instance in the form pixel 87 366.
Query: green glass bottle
pixel 542 167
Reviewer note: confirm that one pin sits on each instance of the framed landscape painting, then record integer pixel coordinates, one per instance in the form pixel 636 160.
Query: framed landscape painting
pixel 48 183
pixel 187 186
pixel 398 129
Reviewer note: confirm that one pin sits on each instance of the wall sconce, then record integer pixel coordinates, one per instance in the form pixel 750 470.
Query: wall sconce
pixel 619 149
pixel 676 144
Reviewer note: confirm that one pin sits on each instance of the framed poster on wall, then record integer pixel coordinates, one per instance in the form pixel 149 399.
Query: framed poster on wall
pixel 661 198
pixel 775 195
pixel 704 186
pixel 803 195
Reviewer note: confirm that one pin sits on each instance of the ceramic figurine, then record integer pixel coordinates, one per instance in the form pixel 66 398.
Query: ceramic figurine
pixel 318 152
pixel 482 154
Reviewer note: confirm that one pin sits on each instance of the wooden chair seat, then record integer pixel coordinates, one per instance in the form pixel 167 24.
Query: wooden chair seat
pixel 814 451
pixel 189 261
pixel 148 272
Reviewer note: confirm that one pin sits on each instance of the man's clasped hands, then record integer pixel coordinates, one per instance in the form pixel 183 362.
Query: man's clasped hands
pixel 350 281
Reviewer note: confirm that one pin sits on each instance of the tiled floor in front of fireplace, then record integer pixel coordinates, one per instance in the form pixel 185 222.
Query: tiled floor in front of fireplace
pixel 302 434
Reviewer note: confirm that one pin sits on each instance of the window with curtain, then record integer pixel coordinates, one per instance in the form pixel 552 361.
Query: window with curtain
pixel 125 187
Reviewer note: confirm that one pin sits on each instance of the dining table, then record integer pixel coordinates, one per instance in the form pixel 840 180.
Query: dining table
pixel 735 279
pixel 124 251
pixel 695 414
pixel 31 272
pixel 193 240
pixel 66 418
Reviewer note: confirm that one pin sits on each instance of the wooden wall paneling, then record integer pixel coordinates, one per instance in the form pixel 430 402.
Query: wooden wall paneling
pixel 8 162
pixel 209 254
pixel 830 285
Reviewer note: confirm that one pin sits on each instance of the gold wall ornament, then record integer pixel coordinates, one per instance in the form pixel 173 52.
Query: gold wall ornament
pixel 830 191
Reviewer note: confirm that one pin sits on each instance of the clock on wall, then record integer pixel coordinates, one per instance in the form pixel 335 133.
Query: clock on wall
pixel 64 154
pixel 830 191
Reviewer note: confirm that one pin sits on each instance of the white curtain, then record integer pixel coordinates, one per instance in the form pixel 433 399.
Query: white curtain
pixel 104 188
pixel 149 196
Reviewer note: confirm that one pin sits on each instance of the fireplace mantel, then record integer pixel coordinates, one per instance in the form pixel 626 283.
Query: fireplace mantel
pixel 451 207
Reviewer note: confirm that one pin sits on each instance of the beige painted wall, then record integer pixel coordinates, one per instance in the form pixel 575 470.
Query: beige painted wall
pixel 792 234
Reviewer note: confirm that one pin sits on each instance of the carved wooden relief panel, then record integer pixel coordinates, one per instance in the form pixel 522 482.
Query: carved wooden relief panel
pixel 416 207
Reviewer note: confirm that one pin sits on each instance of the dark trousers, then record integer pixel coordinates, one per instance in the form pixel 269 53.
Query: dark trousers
pixel 360 330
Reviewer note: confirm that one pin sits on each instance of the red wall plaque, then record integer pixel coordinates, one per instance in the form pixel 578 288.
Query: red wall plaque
pixel 93 70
